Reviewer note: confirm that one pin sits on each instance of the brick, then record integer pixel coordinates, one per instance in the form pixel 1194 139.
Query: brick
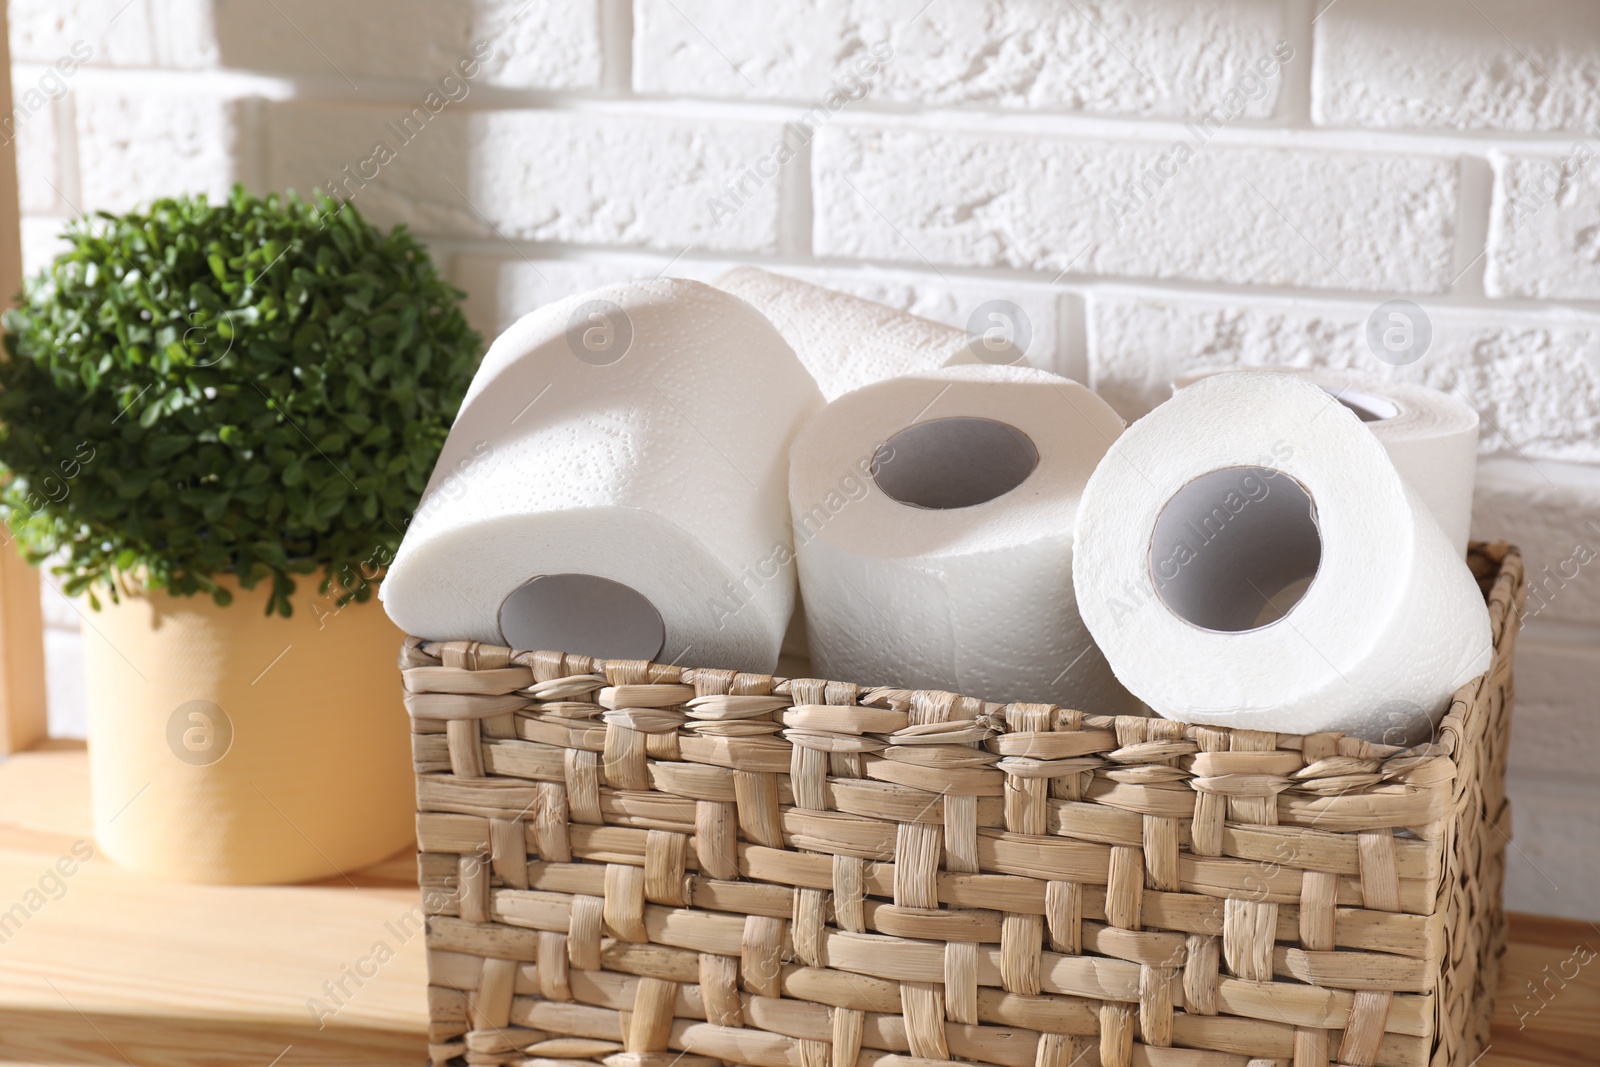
pixel 187 33
pixel 1553 861
pixel 114 32
pixel 1230 214
pixel 502 289
pixel 1491 64
pixel 625 180
pixel 40 181
pixel 68 704
pixel 1552 512
pixel 41 243
pixel 59 611
pixel 136 147
pixel 424 184
pixel 551 44
pixel 535 175
pixel 1166 58
pixel 40 107
pixel 1533 376
pixel 1554 729
pixel 1544 237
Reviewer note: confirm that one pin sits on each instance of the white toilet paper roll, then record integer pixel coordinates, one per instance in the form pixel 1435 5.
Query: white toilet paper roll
pixel 844 341
pixel 1248 556
pixel 933 521
pixel 1432 437
pixel 614 485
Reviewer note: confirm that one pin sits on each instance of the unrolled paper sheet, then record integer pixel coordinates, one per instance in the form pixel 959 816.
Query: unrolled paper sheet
pixel 847 342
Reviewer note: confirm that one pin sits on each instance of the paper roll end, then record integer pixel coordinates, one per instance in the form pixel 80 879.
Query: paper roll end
pixel 957 462
pixel 582 613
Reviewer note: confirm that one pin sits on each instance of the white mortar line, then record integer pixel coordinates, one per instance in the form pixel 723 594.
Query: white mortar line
pixel 66 118
pixel 162 41
pixel 616 46
pixel 1513 309
pixel 1474 190
pixel 252 134
pixel 1579 313
pixel 1073 358
pixel 1551 632
pixel 1294 98
pixel 975 120
pixel 1583 477
pixel 795 204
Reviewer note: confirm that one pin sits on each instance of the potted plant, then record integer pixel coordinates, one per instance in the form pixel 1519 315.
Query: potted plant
pixel 217 419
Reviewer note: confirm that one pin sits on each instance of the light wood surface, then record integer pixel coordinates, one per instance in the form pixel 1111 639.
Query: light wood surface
pixel 123 970
pixel 23 713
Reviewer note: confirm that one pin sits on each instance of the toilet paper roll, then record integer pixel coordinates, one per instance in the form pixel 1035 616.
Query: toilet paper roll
pixel 1432 437
pixel 614 485
pixel 844 341
pixel 1248 556
pixel 933 522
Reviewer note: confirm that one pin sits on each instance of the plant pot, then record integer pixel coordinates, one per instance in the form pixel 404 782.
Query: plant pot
pixel 229 746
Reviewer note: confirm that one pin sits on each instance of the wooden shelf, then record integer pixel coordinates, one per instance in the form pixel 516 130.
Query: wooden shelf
pixel 124 970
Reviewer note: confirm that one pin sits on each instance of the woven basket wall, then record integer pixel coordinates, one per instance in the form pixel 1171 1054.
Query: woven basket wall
pixel 641 865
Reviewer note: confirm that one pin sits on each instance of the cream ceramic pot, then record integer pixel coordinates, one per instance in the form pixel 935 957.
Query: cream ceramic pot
pixel 229 746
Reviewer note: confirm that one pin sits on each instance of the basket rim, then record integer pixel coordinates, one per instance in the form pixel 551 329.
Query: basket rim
pixel 1504 596
pixel 1335 766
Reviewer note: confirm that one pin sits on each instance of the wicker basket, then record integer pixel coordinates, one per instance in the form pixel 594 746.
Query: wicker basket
pixel 642 865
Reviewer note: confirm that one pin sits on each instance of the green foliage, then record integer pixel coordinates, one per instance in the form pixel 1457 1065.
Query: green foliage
pixel 257 388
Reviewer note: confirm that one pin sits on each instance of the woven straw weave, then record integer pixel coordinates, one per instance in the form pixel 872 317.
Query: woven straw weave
pixel 641 865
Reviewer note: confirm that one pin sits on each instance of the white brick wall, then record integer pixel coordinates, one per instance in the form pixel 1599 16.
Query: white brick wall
pixel 1163 57
pixel 1488 64
pixel 1533 375
pixel 319 145
pixel 131 145
pixel 1555 682
pixel 484 174
pixel 550 44
pixel 39 169
pixel 1328 220
pixel 1552 867
pixel 1545 225
pixel 1552 510
pixel 118 32
pixel 1334 155
pixel 41 242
